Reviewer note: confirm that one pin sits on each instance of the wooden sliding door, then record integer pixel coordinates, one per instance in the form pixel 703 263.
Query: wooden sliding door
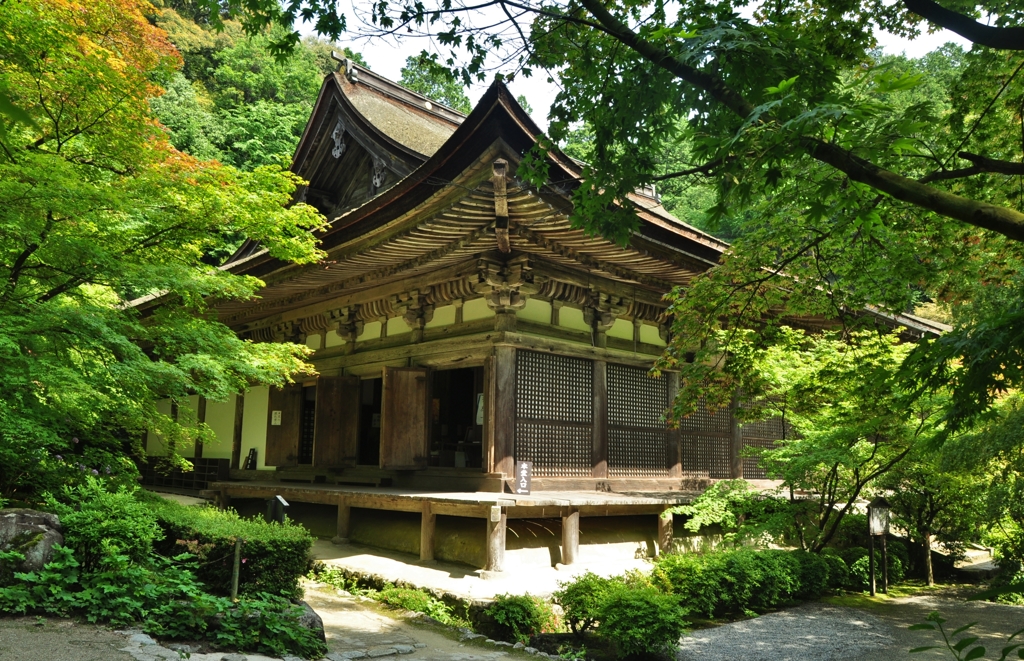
pixel 337 421
pixel 404 419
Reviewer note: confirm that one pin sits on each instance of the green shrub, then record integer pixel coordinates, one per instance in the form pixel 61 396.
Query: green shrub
pixel 166 597
pixel 274 556
pixel 813 574
pixel 898 549
pixel 419 601
pixel 1010 573
pixel 520 616
pixel 582 598
pixel 852 531
pixel 860 572
pixel 407 598
pixel 642 621
pixel 853 554
pixel 699 579
pixel 740 580
pixel 838 574
pixel 776 579
pixel 99 525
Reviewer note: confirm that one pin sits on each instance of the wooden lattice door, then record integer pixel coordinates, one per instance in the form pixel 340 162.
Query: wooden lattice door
pixel 554 414
pixel 638 441
pixel 706 440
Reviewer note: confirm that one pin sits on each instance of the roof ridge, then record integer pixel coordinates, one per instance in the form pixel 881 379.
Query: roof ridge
pixel 360 75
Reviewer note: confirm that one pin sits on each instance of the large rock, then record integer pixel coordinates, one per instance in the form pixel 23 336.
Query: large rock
pixel 310 620
pixel 31 533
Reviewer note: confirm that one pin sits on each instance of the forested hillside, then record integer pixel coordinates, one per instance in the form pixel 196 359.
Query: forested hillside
pixel 233 100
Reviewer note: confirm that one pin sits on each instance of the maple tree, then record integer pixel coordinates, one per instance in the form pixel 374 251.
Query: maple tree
pixel 97 212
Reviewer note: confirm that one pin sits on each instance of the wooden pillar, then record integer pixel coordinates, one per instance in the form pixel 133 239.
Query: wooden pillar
pixel 201 416
pixel 571 537
pixel 344 516
pixel 496 539
pixel 503 424
pixel 236 437
pixel 428 521
pixel 673 444
pixel 736 447
pixel 599 461
pixel 665 532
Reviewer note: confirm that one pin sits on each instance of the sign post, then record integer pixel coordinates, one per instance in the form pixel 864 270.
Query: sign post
pixel 524 478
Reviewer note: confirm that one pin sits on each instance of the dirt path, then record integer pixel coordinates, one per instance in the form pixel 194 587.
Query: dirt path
pixel 24 639
pixel 352 624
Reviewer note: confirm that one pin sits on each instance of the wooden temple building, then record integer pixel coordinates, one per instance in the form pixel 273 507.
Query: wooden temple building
pixel 462 326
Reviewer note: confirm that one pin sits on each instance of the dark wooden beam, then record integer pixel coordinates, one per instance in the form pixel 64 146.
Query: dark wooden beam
pixel 504 423
pixel 600 434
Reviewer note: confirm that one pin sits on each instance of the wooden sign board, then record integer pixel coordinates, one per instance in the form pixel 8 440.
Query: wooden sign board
pixel 524 478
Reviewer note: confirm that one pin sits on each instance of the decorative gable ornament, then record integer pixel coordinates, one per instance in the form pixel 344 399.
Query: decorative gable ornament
pixel 337 135
pixel 379 172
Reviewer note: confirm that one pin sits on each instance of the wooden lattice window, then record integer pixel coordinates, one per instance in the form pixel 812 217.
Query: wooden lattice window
pixel 554 414
pixel 706 443
pixel 637 437
pixel 761 435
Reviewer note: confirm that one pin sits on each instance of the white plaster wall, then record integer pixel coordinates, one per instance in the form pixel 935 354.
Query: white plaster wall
pixel 397 326
pixel 476 309
pixel 371 331
pixel 535 310
pixel 622 328
pixel 254 424
pixel 220 417
pixel 333 339
pixel 444 316
pixel 651 335
pixel 155 446
pixel 313 341
pixel 572 318
pixel 187 415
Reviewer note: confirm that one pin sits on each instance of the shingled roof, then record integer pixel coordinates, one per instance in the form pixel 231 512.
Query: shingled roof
pixel 407 186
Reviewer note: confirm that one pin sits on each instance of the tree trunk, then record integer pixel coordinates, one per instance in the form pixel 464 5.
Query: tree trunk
pixel 930 576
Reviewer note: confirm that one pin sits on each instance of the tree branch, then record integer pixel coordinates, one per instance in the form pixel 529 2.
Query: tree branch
pixel 992 165
pixel 700 169
pixel 967 27
pixel 999 219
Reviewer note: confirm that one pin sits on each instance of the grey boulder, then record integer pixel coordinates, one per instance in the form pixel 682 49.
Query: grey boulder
pixel 31 533
pixel 310 620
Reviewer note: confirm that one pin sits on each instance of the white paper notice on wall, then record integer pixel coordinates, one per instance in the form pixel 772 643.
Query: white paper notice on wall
pixel 275 418
pixel 480 408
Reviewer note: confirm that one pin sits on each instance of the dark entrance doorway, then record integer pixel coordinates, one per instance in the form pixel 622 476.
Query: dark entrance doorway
pixel 370 397
pixel 456 418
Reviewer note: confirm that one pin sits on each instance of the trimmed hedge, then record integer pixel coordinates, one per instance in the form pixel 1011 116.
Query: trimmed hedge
pixel 738 581
pixel 274 556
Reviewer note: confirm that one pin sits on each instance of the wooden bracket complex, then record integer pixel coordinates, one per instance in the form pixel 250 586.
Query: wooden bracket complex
pixel 500 167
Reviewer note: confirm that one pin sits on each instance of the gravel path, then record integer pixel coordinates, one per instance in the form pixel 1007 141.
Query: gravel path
pixel 25 639
pixel 822 632
pixel 810 632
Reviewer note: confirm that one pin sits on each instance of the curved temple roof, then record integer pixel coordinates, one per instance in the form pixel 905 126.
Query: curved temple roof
pixel 409 188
